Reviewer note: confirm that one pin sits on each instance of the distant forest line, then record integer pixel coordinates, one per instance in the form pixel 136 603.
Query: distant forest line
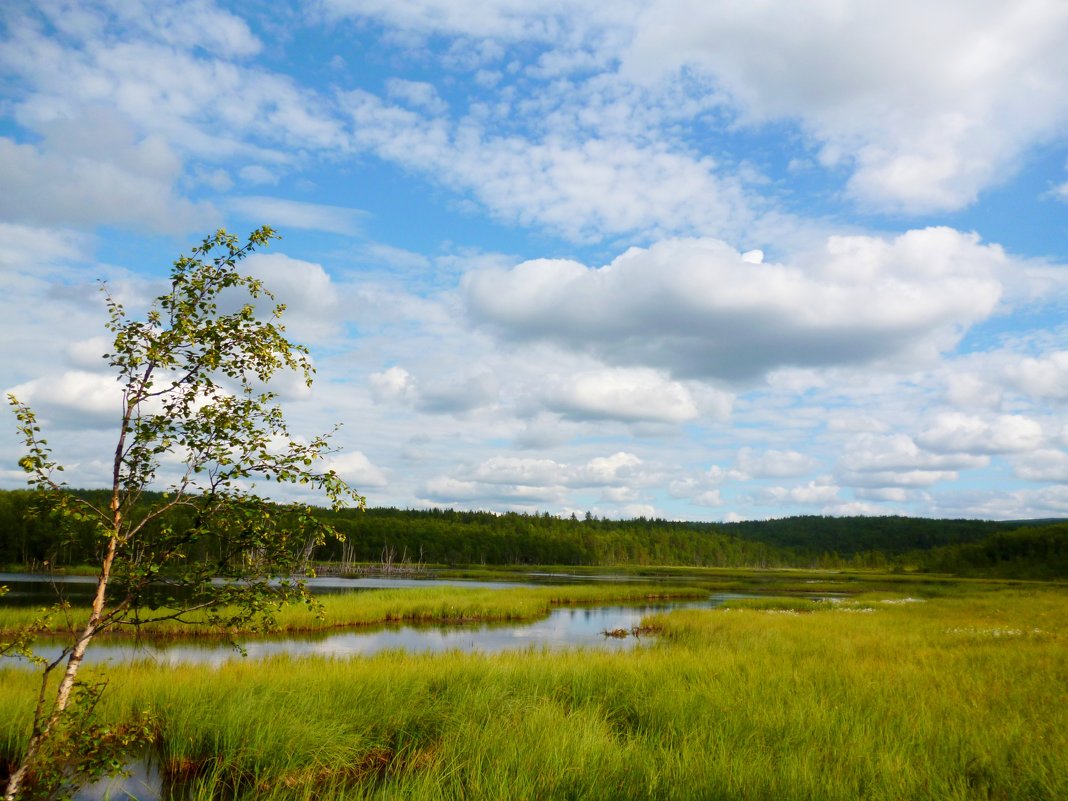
pixel 1019 549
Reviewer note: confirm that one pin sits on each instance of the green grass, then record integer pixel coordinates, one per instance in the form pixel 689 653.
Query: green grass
pixel 416 604
pixel 960 697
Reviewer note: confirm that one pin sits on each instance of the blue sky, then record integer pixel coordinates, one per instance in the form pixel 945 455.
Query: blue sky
pixel 697 260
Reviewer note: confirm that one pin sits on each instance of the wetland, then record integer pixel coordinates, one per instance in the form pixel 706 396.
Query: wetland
pixel 815 685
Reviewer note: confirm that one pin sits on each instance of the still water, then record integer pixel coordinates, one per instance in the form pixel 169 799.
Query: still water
pixel 563 628
pixel 568 627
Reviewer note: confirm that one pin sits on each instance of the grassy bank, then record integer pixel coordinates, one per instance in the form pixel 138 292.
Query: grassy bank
pixel 416 604
pixel 880 697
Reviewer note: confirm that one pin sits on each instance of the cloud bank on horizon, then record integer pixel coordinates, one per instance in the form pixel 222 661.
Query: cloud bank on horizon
pixel 694 260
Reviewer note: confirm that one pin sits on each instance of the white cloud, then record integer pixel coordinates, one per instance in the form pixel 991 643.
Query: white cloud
pixel 955 432
pixel 281 213
pixel 520 471
pixel 177 80
pixel 395 257
pixel 711 497
pixel 550 21
pixel 186 23
pixel 774 463
pixel 1042 465
pixel 34 250
pixel 92 170
pixel 417 94
pixel 896 478
pixel 928 104
pixel 610 469
pixel 1044 377
pixel 884 494
pixel 523 480
pixel 629 395
pixel 452 393
pixel 355 468
pixel 448 491
pixel 895 460
pixel 583 190
pixel 392 385
pixel 875 452
pixel 694 307
pixel 818 492
pixel 311 299
pixel 74 398
pixel 459 394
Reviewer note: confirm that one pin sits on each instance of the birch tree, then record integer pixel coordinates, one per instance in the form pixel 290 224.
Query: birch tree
pixel 197 417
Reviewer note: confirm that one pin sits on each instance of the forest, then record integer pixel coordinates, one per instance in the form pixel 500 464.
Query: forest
pixel 1016 549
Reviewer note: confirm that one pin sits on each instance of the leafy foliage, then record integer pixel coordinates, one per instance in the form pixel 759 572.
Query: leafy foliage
pixel 197 415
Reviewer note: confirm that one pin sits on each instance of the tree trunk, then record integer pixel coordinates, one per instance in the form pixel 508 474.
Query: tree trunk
pixel 66 684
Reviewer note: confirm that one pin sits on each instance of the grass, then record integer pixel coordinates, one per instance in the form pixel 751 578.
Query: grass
pixel 956 697
pixel 417 604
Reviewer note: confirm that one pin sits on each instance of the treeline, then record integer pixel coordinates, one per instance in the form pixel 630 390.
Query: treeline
pixel 452 537
pixel 1032 552
pixel 446 536
pixel 847 536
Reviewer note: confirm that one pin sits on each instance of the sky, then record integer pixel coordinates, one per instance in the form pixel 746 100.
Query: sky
pixel 699 260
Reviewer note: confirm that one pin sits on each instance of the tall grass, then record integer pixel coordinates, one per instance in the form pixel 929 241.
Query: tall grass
pixel 951 698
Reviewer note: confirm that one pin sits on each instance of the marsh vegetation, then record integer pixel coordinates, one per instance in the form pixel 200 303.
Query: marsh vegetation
pixel 885 688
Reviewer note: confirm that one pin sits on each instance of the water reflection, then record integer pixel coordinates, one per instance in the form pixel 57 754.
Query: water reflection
pixel 143 784
pixel 562 628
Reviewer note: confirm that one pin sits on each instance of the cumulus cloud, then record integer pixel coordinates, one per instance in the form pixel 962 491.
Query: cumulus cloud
pixel 525 479
pixel 1042 465
pixel 955 432
pixel 73 399
pixel 459 394
pixel 934 106
pixel 453 394
pixel 696 308
pixel 630 395
pixel 895 460
pixel 818 492
pixel 31 249
pixel 310 296
pixel 774 463
pixel 91 169
pixel 392 385
pixel 1045 376
pixel 357 469
pixel 902 478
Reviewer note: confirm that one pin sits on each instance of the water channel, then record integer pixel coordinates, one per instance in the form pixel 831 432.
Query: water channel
pixel 566 627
